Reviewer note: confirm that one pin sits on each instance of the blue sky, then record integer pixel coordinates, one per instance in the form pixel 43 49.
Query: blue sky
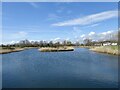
pixel 58 21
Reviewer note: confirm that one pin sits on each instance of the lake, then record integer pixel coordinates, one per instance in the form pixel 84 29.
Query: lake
pixel 80 68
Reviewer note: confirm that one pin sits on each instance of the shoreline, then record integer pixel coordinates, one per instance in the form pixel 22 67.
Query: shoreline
pixel 10 51
pixel 42 49
pixel 113 50
pixel 6 51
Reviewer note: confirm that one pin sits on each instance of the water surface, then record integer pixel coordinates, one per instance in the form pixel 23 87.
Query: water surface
pixel 74 69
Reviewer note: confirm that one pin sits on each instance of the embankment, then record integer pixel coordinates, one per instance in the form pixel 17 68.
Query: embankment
pixel 114 50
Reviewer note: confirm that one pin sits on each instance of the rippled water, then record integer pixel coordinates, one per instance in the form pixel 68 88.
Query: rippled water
pixel 79 68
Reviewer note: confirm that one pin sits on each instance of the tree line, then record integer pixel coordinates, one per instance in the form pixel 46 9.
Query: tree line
pixel 27 43
pixel 86 42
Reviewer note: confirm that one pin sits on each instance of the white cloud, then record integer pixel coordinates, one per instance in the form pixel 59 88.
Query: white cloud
pixel 111 34
pixel 9 42
pixel 13 42
pixel 33 4
pixel 82 36
pixel 56 39
pixel 91 33
pixel 22 33
pixel 90 19
pixel 106 33
pixel 67 39
pixel 93 25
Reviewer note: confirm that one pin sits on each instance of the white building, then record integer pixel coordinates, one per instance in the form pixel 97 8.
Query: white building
pixel 108 44
pixel 114 44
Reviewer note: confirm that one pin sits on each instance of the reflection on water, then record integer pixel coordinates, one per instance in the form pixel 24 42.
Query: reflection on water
pixel 79 68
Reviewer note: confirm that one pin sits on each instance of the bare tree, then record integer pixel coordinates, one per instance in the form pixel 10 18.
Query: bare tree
pixel 88 42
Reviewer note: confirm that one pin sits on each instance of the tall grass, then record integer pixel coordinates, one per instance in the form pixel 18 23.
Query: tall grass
pixel 107 49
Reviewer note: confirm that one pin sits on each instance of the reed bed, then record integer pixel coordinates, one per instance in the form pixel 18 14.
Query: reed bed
pixel 107 49
pixel 5 51
pixel 53 49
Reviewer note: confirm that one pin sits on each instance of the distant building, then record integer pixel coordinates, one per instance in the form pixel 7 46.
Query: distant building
pixel 114 44
pixel 98 44
pixel 105 43
pixel 110 43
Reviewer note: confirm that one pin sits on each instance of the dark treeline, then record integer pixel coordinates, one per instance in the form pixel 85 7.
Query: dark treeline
pixel 27 43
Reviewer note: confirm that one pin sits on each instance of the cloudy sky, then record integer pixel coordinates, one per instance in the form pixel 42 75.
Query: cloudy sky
pixel 58 21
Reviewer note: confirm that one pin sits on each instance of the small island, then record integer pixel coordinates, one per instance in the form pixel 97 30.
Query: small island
pixel 55 49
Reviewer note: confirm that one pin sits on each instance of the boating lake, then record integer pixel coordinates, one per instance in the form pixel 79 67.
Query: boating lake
pixel 80 68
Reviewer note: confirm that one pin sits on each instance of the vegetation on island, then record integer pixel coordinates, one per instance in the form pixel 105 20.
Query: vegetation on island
pixel 58 49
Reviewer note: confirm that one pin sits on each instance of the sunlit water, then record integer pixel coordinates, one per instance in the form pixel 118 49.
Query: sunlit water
pixel 80 68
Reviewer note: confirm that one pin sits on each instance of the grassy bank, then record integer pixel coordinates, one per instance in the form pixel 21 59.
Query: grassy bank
pixel 43 49
pixel 57 49
pixel 4 50
pixel 106 49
